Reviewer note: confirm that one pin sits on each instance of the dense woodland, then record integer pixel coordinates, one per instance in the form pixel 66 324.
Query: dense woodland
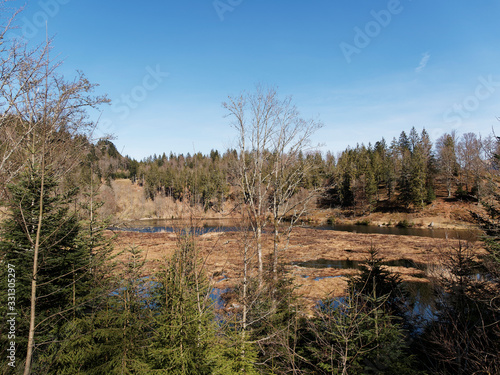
pixel 402 175
pixel 70 305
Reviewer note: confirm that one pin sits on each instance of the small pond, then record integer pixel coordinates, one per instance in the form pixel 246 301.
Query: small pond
pixel 465 234
pixel 420 294
pixel 355 264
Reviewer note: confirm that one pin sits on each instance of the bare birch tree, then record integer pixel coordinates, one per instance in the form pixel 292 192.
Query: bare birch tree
pixel 447 159
pixel 470 157
pixel 271 135
pixel 41 116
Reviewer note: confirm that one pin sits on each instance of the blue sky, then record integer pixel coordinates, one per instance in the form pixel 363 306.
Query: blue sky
pixel 367 69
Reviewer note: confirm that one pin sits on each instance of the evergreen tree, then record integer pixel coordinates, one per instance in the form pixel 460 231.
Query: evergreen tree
pixel 184 338
pixel 276 324
pixel 417 193
pixel 464 337
pixel 357 336
pixel 75 353
pixel 120 328
pixel 376 279
pixel 63 273
pixel 447 160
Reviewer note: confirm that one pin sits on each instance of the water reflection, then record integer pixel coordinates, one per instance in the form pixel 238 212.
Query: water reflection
pixel 459 234
pixel 229 225
pixel 356 264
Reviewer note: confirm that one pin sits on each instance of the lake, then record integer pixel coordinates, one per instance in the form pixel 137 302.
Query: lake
pixel 228 225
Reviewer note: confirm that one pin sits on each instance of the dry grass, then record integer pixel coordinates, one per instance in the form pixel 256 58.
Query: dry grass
pixel 125 201
pixel 223 262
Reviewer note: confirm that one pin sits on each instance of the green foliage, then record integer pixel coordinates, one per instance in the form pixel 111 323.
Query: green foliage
pixel 356 336
pixel 361 333
pixel 376 280
pixel 198 179
pixel 122 325
pixel 404 224
pixel 276 323
pixel 431 195
pixel 75 351
pixel 234 353
pixel 185 327
pixel 462 339
pixel 63 272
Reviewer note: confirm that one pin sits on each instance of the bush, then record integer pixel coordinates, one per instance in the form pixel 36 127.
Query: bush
pixel 404 224
pixel 362 222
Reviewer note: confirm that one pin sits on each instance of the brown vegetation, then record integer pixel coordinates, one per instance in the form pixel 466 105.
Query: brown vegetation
pixel 223 261
pixel 124 200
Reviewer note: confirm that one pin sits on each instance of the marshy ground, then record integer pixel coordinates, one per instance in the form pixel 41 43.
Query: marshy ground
pixel 221 256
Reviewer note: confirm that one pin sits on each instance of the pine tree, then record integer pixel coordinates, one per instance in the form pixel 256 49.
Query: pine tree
pixel 121 328
pixel 375 278
pixel 356 335
pixel 464 337
pixel 418 177
pixel 276 323
pixel 75 353
pixel 185 326
pixel 64 264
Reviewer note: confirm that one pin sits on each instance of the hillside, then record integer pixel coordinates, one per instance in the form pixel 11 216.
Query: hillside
pixel 124 201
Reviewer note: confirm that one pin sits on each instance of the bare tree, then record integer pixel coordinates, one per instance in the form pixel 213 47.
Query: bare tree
pixel 41 117
pixel 470 157
pixel 447 159
pixel 271 135
pixel 289 201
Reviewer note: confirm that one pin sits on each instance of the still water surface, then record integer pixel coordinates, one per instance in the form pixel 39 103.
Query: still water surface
pixel 228 225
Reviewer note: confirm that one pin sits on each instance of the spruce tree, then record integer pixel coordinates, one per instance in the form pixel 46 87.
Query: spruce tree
pixel 184 338
pixel 63 264
pixel 76 352
pixel 121 328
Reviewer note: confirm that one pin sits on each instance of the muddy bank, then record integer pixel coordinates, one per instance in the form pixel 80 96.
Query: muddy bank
pixel 221 254
pixel 442 214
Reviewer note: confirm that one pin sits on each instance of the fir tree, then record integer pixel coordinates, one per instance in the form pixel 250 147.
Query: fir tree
pixel 76 352
pixel 185 327
pixel 63 264
pixel 121 328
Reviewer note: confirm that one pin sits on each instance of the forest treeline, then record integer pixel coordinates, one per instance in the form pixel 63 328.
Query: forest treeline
pixel 405 173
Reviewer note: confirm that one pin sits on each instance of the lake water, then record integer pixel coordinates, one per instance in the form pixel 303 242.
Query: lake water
pixel 227 225
pixel 464 234
pixel 355 264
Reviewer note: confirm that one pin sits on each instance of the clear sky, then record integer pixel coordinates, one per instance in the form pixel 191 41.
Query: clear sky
pixel 367 69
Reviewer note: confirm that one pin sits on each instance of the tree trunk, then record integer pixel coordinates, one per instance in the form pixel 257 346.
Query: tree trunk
pixel 31 335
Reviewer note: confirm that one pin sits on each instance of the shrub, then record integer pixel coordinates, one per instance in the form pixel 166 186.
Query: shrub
pixel 404 224
pixel 362 222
